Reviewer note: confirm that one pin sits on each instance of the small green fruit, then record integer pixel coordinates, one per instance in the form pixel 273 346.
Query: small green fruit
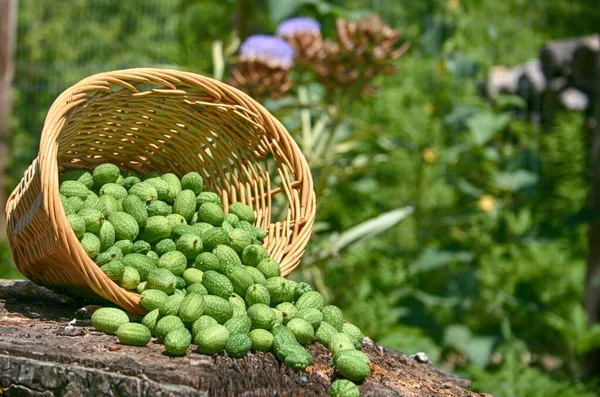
pixel 133 334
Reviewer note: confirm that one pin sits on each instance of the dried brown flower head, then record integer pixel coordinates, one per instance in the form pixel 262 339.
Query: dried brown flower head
pixel 263 67
pixel 366 48
pixel 304 35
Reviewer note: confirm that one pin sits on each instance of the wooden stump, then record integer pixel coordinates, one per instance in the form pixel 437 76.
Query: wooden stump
pixel 48 348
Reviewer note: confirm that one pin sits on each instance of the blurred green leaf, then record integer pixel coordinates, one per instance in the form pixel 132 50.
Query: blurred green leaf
pixel 281 9
pixel 460 65
pixel 436 32
pixel 459 115
pixel 349 14
pixel 468 188
pixel 457 336
pixel 510 101
pixel 483 126
pixel 477 349
pixel 515 181
pixel 432 259
pixel 590 340
pixel 370 228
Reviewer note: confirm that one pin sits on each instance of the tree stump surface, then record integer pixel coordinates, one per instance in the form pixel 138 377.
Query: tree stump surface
pixel 49 348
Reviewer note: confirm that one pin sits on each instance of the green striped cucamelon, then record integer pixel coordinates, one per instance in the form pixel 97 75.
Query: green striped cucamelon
pixel 83 176
pixel 77 224
pixel 192 181
pixel 208 197
pixel 135 207
pixel 114 270
pixel 240 279
pixel 214 237
pixel 191 308
pixel 313 316
pixel 174 187
pixel 269 268
pixel 207 261
pixel 174 261
pixel 339 342
pixel 262 316
pixel 354 333
pixel 343 388
pixel 151 299
pixel 240 239
pixel 257 293
pixel 131 278
pixel 212 339
pixel 145 191
pixel 352 367
pixel 112 254
pixel 126 227
pixel 161 279
pixel 161 186
pixel 253 254
pixel 192 276
pixel 302 330
pixel 311 299
pixel 157 228
pixel 74 188
pixel 165 245
pixel 190 245
pixel 202 322
pixel 167 324
pixel 93 219
pixel 217 284
pixel 109 319
pixel 76 203
pixel 113 189
pixel 333 315
pixel 177 341
pixel 159 207
pixel 142 263
pixel 105 173
pixel 238 345
pixel 185 204
pixel 133 334
pixel 218 308
pixel 171 305
pixel 106 235
pixel 211 213
pixel 90 244
pixel 243 211
pixel 262 340
pixel 238 325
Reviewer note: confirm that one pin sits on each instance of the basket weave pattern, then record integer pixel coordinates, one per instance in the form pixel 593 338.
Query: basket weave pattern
pixel 157 120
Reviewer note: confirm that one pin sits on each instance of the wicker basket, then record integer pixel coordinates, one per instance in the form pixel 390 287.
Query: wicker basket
pixel 157 120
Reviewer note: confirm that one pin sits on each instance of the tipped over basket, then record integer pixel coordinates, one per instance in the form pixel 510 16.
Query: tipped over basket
pixel 148 120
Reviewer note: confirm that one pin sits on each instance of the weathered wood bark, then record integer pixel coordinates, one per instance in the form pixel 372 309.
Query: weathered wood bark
pixel 8 24
pixel 42 355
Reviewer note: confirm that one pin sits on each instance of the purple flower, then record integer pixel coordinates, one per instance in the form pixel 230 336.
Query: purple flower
pixel 271 50
pixel 292 26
